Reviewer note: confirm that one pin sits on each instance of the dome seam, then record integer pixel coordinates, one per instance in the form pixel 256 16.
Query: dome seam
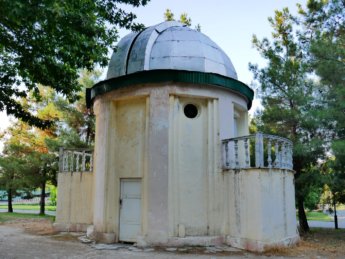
pixel 130 50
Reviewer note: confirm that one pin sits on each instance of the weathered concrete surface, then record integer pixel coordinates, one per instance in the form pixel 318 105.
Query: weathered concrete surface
pixel 75 201
pixel 262 208
pixel 143 133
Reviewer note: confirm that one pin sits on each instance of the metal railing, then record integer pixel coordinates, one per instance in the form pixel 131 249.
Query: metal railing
pixel 257 151
pixel 76 160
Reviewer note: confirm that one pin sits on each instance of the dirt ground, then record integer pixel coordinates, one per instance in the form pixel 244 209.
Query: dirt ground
pixel 35 238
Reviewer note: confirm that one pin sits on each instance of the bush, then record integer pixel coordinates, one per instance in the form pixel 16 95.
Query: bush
pixel 53 195
pixel 312 199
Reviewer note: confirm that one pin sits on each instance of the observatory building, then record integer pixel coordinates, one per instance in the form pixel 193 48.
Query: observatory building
pixel 174 163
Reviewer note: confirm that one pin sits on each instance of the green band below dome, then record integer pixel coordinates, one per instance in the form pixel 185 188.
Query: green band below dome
pixel 160 76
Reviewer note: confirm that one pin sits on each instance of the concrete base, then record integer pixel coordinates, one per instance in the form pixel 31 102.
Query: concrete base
pixel 196 241
pixel 241 243
pixel 105 238
pixel 70 227
pixel 181 242
pixel 258 246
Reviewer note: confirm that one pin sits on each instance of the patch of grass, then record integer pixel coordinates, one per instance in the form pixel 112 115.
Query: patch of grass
pixel 5 216
pixel 318 216
pixel 28 207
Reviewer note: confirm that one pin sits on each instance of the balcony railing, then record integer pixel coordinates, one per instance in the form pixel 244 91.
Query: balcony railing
pixel 257 151
pixel 76 160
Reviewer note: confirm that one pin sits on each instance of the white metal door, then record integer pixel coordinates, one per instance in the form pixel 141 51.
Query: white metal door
pixel 130 209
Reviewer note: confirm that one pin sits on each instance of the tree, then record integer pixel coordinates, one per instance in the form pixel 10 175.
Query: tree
pixel 334 191
pixel 325 29
pixel 27 161
pixel 324 23
pixel 11 169
pixel 41 169
pixel 184 19
pixel 168 15
pixel 289 99
pixel 39 148
pixel 48 42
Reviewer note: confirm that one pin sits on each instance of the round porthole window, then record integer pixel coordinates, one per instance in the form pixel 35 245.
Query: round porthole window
pixel 191 111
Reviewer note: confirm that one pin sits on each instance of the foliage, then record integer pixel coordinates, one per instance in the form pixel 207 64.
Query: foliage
pixel 334 188
pixel 168 15
pixel 11 172
pixel 290 100
pixel 48 42
pixel 303 92
pixel 38 148
pixel 324 23
pixel 53 195
pixel 312 200
pixel 184 19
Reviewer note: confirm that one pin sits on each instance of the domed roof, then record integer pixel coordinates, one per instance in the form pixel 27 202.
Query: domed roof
pixel 169 52
pixel 169 45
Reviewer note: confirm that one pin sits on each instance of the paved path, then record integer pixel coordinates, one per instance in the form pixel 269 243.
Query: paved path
pixel 325 224
pixel 329 224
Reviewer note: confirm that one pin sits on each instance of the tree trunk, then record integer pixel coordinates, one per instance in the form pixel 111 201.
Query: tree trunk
pixel 43 196
pixel 302 217
pixel 9 200
pixel 335 214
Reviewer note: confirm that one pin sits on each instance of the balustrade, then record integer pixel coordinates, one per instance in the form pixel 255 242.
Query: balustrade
pixel 76 160
pixel 257 150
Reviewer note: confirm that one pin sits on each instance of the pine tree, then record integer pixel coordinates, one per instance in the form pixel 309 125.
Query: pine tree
pixel 289 99
pixel 324 24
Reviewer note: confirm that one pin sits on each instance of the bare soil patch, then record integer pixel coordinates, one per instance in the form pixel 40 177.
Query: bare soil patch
pixel 33 226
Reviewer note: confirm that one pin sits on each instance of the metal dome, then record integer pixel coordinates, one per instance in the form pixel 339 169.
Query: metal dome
pixel 169 45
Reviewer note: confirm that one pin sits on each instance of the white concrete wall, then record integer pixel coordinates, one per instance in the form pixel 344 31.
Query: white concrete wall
pixel 142 132
pixel 188 171
pixel 264 209
pixel 74 201
pixel 157 225
pixel 120 152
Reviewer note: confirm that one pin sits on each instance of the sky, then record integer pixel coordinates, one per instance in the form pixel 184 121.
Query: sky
pixel 229 23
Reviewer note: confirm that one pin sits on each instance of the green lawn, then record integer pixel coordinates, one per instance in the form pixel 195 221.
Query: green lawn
pixel 5 216
pixel 28 207
pixel 318 216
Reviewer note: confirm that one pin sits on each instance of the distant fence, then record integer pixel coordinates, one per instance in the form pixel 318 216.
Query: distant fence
pixel 35 200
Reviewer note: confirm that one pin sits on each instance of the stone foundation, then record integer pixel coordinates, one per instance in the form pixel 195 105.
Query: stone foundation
pixel 260 246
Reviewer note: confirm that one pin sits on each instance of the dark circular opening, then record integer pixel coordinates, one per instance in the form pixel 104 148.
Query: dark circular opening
pixel 191 111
